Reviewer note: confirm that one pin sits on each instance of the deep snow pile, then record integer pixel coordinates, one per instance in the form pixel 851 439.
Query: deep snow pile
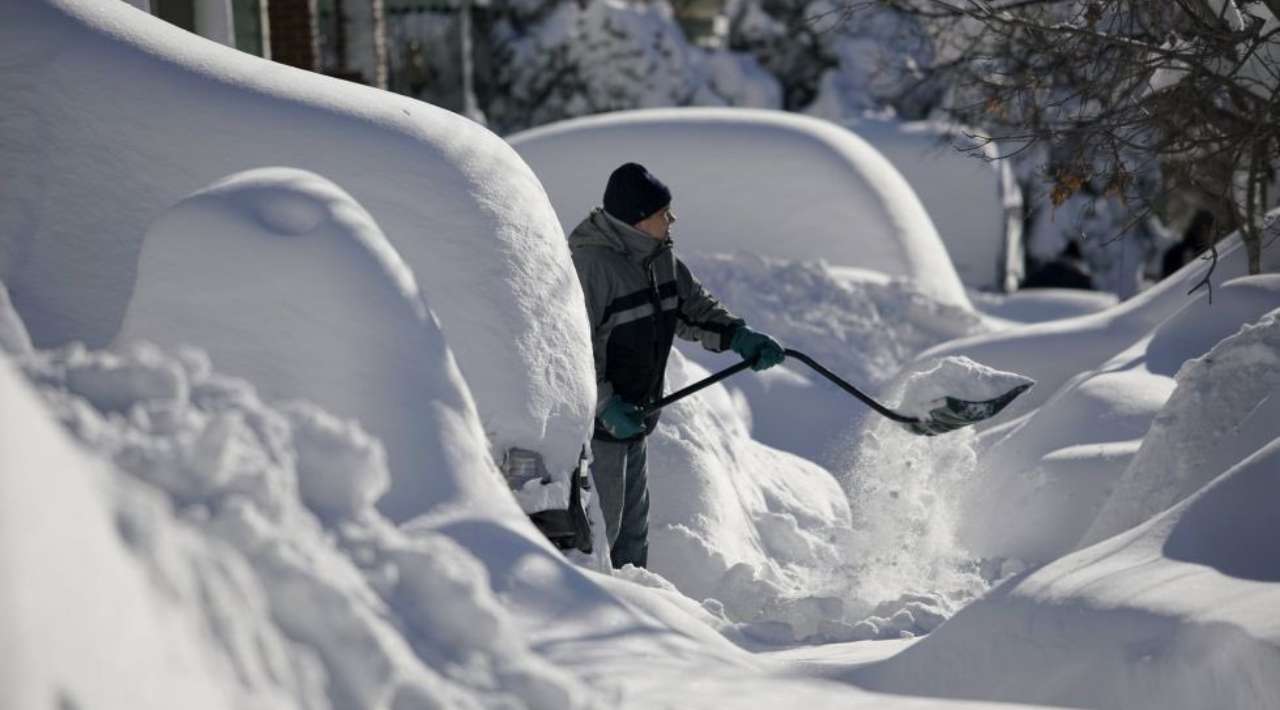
pixel 738 522
pixel 787 552
pixel 779 185
pixel 246 537
pixel 112 116
pixel 1036 305
pixel 1044 477
pixel 1225 402
pixel 1179 611
pixel 1083 342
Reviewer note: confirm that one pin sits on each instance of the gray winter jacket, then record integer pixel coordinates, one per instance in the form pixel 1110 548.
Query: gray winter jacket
pixel 639 296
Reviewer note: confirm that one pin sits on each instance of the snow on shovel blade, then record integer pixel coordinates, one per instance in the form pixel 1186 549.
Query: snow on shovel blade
pixel 956 413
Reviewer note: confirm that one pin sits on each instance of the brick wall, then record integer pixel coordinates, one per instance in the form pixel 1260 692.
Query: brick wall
pixel 294 35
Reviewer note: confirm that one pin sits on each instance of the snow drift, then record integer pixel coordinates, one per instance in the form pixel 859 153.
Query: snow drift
pixel 112 116
pixel 779 185
pixel 1176 612
pixel 1081 343
pixel 1043 476
pixel 228 554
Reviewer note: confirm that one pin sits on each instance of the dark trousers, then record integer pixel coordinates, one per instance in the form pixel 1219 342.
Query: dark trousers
pixel 622 482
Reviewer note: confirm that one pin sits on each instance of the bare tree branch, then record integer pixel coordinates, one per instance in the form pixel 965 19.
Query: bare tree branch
pixel 1110 88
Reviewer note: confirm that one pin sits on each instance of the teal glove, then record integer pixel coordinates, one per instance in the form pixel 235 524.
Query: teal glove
pixel 757 348
pixel 621 419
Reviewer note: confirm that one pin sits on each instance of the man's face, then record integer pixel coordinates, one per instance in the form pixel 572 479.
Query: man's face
pixel 658 224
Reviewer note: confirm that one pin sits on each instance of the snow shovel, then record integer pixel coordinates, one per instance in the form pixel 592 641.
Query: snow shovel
pixel 953 414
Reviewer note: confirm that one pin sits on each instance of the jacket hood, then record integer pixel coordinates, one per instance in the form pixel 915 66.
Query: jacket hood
pixel 600 229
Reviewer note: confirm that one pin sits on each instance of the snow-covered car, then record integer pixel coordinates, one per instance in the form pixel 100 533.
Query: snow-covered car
pixel 971 195
pixel 773 183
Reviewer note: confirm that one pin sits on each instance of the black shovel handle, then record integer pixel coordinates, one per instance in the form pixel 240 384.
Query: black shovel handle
pixel 734 369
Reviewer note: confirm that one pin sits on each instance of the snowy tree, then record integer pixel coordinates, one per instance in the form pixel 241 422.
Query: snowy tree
pixel 558 60
pixel 566 59
pixel 837 61
pixel 1120 91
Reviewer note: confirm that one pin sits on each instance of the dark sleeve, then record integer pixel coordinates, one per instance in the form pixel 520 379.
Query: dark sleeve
pixel 702 318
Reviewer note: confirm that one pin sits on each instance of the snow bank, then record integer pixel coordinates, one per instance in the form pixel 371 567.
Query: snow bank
pixel 1044 479
pixel 286 281
pixel 773 183
pixel 254 527
pixel 1053 352
pixel 1226 402
pixel 769 541
pixel 83 622
pixel 736 521
pixel 112 116
pixel 1178 612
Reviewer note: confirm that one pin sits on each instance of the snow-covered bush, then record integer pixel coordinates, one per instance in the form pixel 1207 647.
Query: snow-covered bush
pixel 837 61
pixel 567 59
pixel 1118 247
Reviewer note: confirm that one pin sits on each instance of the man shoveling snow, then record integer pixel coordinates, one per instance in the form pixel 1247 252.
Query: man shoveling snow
pixel 639 297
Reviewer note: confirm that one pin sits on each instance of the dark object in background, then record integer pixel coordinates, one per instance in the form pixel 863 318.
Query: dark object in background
pixel 1067 270
pixel 1196 238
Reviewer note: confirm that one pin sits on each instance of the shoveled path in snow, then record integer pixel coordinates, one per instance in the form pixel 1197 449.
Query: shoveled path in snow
pixel 645 649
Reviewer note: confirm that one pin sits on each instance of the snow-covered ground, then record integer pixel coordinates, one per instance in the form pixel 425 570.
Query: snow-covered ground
pixel 331 311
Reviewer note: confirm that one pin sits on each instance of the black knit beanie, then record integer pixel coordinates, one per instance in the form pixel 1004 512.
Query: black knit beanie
pixel 633 193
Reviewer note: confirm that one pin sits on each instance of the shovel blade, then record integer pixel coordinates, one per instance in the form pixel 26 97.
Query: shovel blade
pixel 957 413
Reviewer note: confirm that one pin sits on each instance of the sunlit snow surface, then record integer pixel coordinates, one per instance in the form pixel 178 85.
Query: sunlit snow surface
pixel 176 534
